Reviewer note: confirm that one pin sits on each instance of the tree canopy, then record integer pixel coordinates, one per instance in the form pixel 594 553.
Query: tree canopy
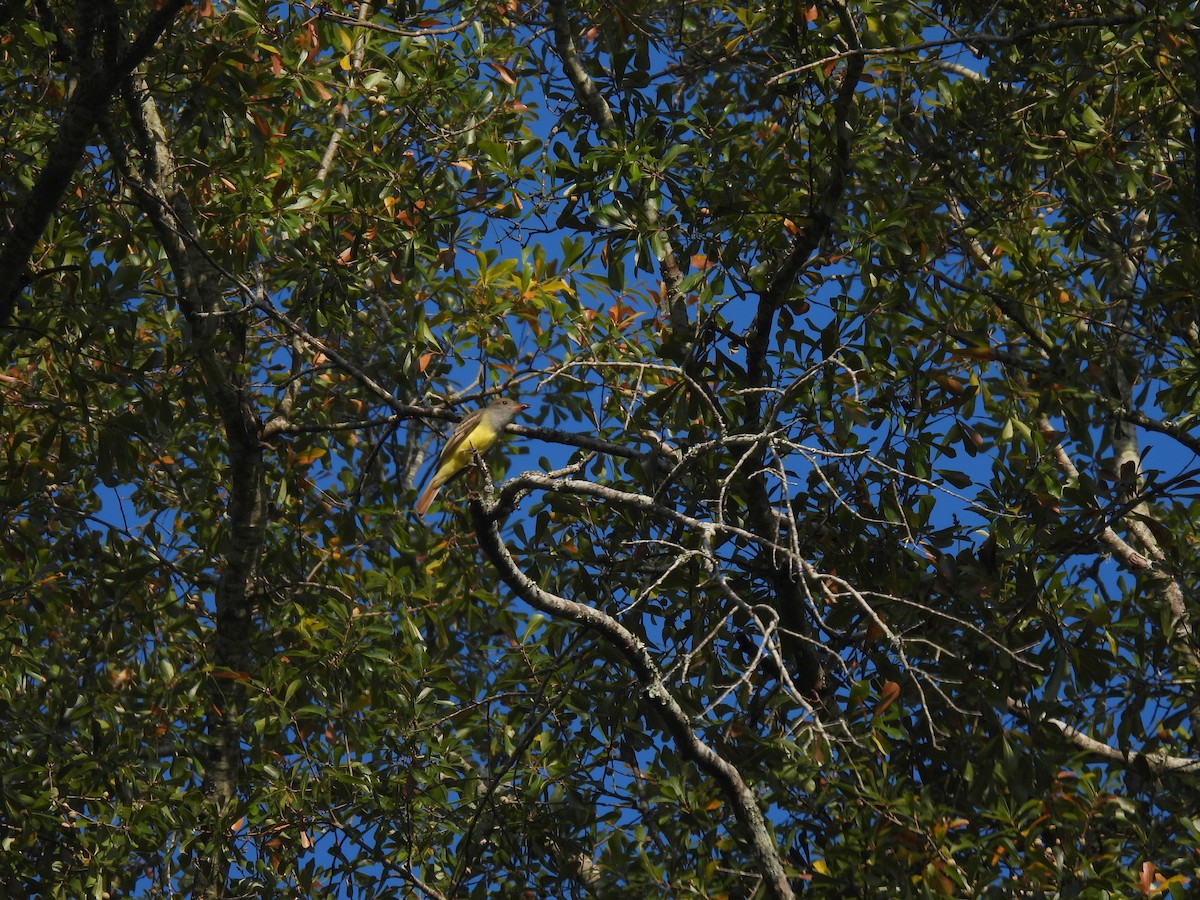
pixel 849 544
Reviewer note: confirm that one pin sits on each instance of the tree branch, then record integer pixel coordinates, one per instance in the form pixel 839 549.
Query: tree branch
pixel 789 595
pixel 654 688
pixel 807 240
pixel 220 346
pixel 1181 433
pixel 1126 259
pixel 977 38
pixel 340 119
pixel 600 113
pixel 1149 563
pixel 96 81
pixel 1157 763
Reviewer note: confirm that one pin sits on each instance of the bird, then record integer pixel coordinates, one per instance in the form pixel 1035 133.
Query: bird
pixel 476 433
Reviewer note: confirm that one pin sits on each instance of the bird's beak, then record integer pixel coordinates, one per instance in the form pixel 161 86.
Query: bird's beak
pixel 521 406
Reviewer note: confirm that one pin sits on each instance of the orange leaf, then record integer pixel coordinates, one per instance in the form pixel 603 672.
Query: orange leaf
pixel 308 457
pixel 949 384
pixel 1146 878
pixel 310 37
pixel 887 696
pixel 505 73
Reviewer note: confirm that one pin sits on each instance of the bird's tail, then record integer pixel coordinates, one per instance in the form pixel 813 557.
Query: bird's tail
pixel 428 496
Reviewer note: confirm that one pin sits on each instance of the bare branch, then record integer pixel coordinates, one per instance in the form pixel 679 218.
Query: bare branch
pixel 362 21
pixel 1180 432
pixel 654 688
pixel 340 119
pixel 1159 763
pixel 972 39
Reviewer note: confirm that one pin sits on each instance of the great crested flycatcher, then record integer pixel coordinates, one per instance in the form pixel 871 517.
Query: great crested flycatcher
pixel 475 433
